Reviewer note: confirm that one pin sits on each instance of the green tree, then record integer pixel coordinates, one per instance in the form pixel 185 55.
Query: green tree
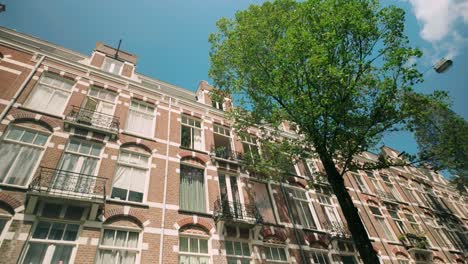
pixel 337 70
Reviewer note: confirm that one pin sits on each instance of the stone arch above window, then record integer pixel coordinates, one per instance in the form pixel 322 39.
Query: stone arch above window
pixel 195 223
pixel 36 124
pixel 190 160
pixel 371 202
pixel 136 147
pixel 118 215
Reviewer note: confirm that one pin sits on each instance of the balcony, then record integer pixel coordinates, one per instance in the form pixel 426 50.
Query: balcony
pixel 337 230
pixel 224 153
pixel 93 120
pixel 236 213
pixel 414 241
pixel 385 196
pixel 69 185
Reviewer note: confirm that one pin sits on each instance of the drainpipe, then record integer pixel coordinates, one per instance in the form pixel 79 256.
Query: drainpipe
pixel 166 172
pixel 296 233
pixel 21 88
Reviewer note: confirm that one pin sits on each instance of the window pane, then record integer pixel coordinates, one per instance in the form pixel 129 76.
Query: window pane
pixel 15 133
pixel 40 139
pixel 108 237
pixel 229 248
pixel 119 193
pixel 132 239
pixel 268 253
pixel 35 254
pixel 135 196
pixel 183 244
pixel 282 253
pixel 246 250
pixel 71 233
pixel 185 137
pixel 57 231
pixel 194 245
pixel 120 240
pixel 41 231
pixel 238 248
pixel 275 254
pixel 28 136
pixel 203 246
pixel 62 254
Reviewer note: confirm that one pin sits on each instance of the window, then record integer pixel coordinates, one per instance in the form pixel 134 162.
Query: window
pixel 412 221
pixel 333 223
pixel 249 144
pixel 217 104
pixel 193 250
pixel 51 242
pixel 98 107
pixel 191 133
pixel 112 65
pixel 20 152
pixel 360 182
pixel 78 166
pixel 229 190
pixel 237 252
pixel 382 223
pixel 130 177
pixel 393 211
pixel 69 212
pixel 222 142
pixel 301 210
pixel 118 247
pixel 141 119
pixel 391 187
pixel 50 94
pixel 319 257
pixel 192 189
pixel 276 254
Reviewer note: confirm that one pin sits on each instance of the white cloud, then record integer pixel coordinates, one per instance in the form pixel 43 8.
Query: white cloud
pixel 438 19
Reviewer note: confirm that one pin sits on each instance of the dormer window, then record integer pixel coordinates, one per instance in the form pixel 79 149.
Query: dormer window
pixel 112 65
pixel 218 105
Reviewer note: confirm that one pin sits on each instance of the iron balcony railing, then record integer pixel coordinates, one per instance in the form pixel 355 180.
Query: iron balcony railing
pixel 224 153
pixel 236 212
pixel 69 184
pixel 386 196
pixel 91 118
pixel 411 240
pixel 336 229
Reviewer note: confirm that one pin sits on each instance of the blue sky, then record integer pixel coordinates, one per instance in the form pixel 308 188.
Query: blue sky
pixel 171 37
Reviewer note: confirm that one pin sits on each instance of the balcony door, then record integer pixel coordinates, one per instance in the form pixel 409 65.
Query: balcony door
pixel 77 168
pixel 230 195
pixel 98 108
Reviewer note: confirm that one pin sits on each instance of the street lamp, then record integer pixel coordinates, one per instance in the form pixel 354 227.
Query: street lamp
pixel 443 65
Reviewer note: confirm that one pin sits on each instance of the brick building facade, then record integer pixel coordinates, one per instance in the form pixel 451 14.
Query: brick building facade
pixel 101 164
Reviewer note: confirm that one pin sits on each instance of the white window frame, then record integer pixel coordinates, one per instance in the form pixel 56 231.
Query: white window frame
pixel 384 224
pixel 8 220
pixel 205 182
pixel 153 123
pixel 134 166
pixel 97 98
pixel 40 82
pixel 361 183
pixel 137 250
pixel 309 205
pixel 269 247
pixel 48 256
pixel 193 127
pixel 239 258
pixel 113 63
pixel 329 205
pixel 43 148
pixel 194 254
pixel 323 252
pixel 251 141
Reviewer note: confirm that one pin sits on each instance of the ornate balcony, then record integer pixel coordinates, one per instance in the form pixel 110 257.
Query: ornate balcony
pixel 414 241
pixel 385 196
pixel 223 152
pixel 93 120
pixel 337 230
pixel 237 213
pixel 69 185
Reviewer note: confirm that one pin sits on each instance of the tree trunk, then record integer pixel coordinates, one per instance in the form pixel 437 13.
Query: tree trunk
pixel 350 212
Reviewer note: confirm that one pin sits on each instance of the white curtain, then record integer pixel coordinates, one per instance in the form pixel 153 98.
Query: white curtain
pixel 197 139
pixel 122 179
pixel 47 99
pixel 137 183
pixel 192 189
pixel 18 162
pixel 140 123
pixel 132 240
pixel 120 238
pixel 108 237
pixel 106 257
pixel 64 179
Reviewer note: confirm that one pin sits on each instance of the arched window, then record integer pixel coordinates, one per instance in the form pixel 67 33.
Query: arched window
pixel 132 175
pixel 194 245
pixel 121 241
pixel 192 186
pixel 381 221
pixel 21 149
